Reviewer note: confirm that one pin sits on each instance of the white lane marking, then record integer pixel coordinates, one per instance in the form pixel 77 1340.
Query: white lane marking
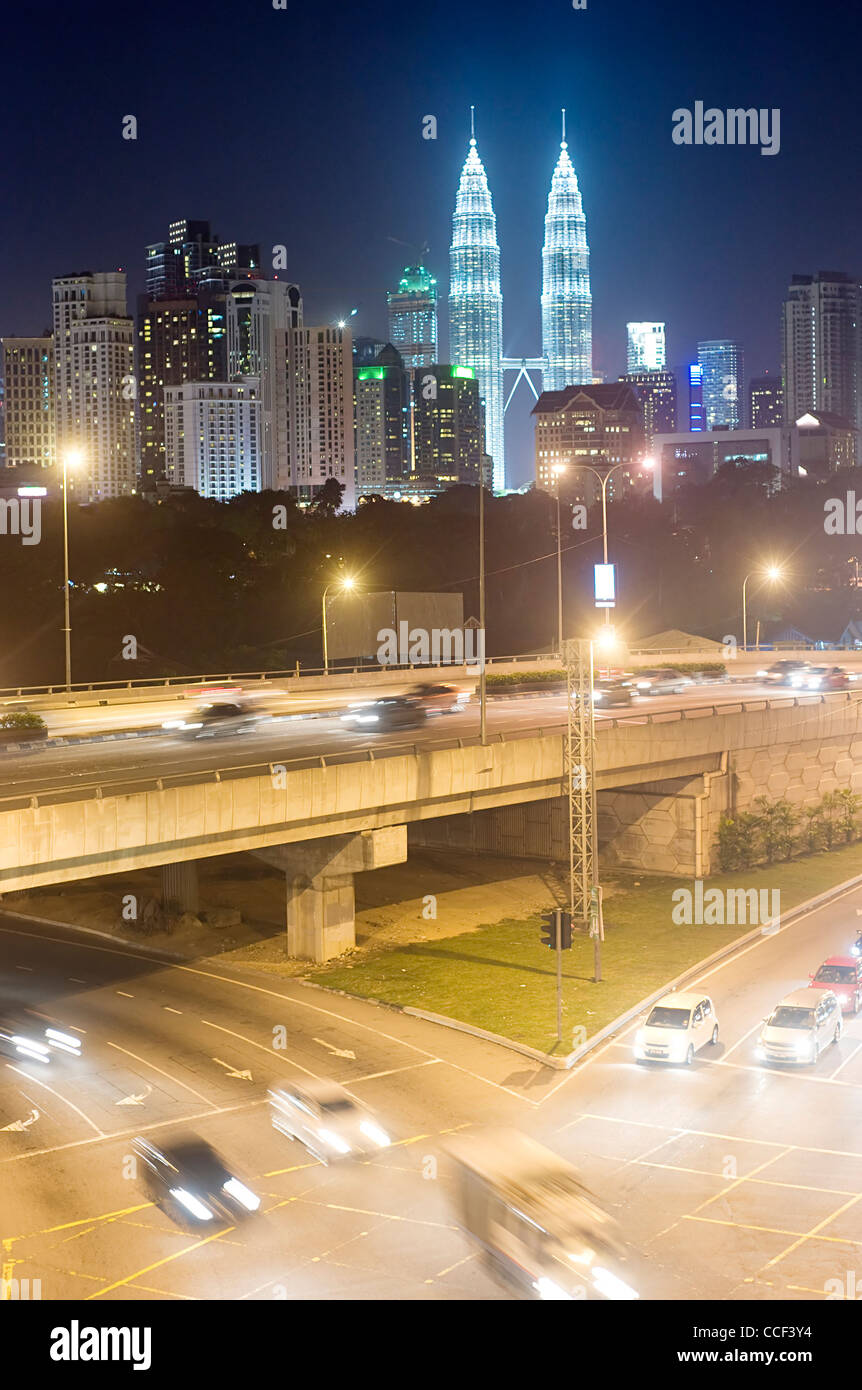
pixel 270 1051
pixel 19 1125
pixel 393 1071
pixel 740 1041
pixel 124 994
pixel 71 1105
pixel 167 1008
pixel 232 1071
pixel 28 968
pixel 134 1099
pixel 847 1059
pixel 285 999
pixel 72 980
pixel 336 1051
pixel 166 1074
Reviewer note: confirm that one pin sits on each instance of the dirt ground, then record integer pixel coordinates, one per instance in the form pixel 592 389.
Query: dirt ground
pixel 435 894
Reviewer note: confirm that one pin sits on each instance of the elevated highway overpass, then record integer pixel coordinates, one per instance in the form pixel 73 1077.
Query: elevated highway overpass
pixel 323 804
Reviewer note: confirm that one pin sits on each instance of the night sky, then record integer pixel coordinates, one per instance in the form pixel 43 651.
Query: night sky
pixel 303 126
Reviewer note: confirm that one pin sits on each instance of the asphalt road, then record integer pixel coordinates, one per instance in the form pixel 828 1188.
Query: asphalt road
pixel 731 1179
pixel 279 739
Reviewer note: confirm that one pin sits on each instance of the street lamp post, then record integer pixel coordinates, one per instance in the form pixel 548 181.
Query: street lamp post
pixel 558 469
pixel 771 574
pixel 346 583
pixel 603 481
pixel 483 702
pixel 71 459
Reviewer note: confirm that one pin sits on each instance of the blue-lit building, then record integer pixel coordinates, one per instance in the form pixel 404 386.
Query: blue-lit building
pixel 567 305
pixel 720 361
pixel 476 300
pixel 695 398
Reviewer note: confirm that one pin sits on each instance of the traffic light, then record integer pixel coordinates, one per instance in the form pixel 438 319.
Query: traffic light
pixel 565 930
pixel 549 929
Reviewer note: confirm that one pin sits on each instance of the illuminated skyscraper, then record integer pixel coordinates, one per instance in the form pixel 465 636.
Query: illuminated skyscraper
pixel 567 305
pixel 723 393
pixel 413 317
pixel 476 301
pixel 645 347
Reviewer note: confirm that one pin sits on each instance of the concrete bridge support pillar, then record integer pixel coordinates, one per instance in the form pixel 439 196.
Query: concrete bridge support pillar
pixel 180 886
pixel 319 883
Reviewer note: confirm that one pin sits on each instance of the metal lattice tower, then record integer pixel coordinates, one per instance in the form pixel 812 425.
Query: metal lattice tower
pixel 577 657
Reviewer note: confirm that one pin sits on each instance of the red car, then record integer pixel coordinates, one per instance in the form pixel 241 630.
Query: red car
pixel 439 699
pixel 843 975
pixel 821 678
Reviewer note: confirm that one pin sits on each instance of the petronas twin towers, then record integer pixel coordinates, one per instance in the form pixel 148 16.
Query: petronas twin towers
pixel 476 300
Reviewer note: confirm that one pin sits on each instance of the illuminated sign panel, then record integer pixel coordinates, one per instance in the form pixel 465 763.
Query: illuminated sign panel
pixel 606 588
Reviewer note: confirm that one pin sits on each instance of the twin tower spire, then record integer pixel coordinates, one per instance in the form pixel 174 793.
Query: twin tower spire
pixel 476 300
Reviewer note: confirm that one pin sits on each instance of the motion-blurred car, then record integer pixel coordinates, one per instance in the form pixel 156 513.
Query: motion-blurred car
pixel 843 975
pixel 439 699
pixel 222 718
pixel 821 678
pixel 676 1028
pixel 21 1040
pixel 328 1121
pixel 800 1026
pixel 390 712
pixel 662 681
pixel 187 1178
pixel 612 692
pixel 782 672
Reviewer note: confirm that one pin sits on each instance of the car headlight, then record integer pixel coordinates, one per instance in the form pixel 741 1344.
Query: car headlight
pixel 643 685
pixel 191 1204
pixel 610 1286
pixel 334 1141
pixel 548 1290
pixel 64 1041
pixel 242 1194
pixel 598 695
pixel 761 673
pixel 37 1052
pixel 375 1134
pixel 856 951
pixel 842 998
pixel 804 1047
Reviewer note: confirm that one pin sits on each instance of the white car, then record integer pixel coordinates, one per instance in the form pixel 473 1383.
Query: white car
pixel 328 1121
pixel 676 1028
pixel 798 1029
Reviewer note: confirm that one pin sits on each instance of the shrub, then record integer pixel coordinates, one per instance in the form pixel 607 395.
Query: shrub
pixel 21 719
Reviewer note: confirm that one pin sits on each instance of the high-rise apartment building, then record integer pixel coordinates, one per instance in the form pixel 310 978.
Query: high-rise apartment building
pixel 476 300
pixel 413 317
pixel 567 304
pixel 765 402
pixel 260 314
pixel 95 385
pixel 27 367
pixel 191 256
pixel 320 413
pixel 656 392
pixel 721 364
pixel 383 423
pixel 822 346
pixel 448 436
pixel 212 437
pixel 645 347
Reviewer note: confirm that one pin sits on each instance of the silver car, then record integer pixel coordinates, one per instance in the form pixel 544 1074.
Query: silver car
pixel 328 1121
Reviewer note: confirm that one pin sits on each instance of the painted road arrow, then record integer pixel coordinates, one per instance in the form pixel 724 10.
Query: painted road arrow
pixel 20 1125
pixel 232 1071
pixel 133 1099
pixel 336 1051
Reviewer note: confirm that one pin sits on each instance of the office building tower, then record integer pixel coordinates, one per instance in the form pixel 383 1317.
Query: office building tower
pixel 366 351
pixel 260 314
pixel 695 398
pixel 320 414
pixel 645 347
pixel 193 257
pixel 212 437
pixel 567 306
pixel 476 300
pixel 656 392
pixel 721 364
pixel 413 317
pixel 448 430
pixel 95 385
pixel 178 340
pixel 599 426
pixel 27 368
pixel 822 346
pixel 765 402
pixel 383 423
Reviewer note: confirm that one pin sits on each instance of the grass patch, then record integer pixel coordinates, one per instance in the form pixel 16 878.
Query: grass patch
pixel 502 978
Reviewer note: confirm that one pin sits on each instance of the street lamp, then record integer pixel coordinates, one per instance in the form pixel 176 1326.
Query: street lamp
pixel 603 481
pixel 771 575
pixel 558 469
pixel 346 583
pixel 72 458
